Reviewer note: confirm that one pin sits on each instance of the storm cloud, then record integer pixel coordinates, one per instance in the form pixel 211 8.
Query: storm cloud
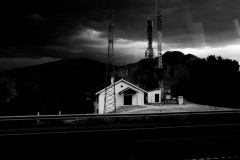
pixel 78 29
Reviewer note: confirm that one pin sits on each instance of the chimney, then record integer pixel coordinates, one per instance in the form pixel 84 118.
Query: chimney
pixel 112 80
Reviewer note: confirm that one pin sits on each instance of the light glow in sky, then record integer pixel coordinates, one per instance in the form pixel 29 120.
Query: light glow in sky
pixel 74 30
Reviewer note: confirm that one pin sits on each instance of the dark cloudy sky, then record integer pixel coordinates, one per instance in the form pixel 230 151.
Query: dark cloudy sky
pixel 38 31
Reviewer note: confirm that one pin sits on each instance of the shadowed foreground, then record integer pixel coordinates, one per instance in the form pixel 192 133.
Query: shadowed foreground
pixel 142 136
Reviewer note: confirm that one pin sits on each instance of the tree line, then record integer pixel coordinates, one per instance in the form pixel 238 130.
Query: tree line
pixel 212 81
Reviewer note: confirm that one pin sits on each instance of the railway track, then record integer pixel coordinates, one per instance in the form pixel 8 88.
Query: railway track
pixel 113 115
pixel 192 135
pixel 111 122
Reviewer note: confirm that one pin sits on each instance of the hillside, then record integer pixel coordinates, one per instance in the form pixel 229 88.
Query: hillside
pixel 47 88
pixel 176 66
pixel 69 85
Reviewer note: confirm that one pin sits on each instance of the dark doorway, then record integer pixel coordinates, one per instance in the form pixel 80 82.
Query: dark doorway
pixel 156 97
pixel 127 99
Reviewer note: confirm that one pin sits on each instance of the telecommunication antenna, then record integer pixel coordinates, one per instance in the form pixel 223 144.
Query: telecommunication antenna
pixel 110 99
pixel 159 31
pixel 149 53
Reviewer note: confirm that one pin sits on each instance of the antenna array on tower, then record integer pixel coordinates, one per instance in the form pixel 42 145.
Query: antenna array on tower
pixel 159 31
pixel 149 53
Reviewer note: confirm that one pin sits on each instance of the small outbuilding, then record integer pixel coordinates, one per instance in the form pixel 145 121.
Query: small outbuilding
pixel 155 96
pixel 126 93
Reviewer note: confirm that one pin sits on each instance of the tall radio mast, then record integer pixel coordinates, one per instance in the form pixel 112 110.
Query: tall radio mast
pixel 149 53
pixel 159 31
pixel 110 99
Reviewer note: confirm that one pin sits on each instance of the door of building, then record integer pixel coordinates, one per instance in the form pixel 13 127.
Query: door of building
pixel 127 99
pixel 156 97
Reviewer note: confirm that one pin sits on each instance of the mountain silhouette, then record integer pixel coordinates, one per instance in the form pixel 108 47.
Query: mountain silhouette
pixel 69 85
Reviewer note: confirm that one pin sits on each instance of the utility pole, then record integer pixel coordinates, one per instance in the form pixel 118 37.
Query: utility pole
pixel 110 99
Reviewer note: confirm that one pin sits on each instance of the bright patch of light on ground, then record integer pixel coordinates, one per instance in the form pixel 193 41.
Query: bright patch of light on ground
pixel 187 107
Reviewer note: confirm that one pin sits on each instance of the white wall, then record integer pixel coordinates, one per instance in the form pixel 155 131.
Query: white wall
pixel 151 96
pixel 101 103
pixel 134 99
pixel 137 99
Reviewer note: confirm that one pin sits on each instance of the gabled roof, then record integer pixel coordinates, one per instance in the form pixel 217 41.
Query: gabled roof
pixel 122 80
pixel 128 90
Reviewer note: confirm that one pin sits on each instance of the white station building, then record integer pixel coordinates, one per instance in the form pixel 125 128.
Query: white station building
pixel 126 93
pixel 154 96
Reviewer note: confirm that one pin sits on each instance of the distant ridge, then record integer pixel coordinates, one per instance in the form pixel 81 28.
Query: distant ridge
pixel 176 65
pixel 69 85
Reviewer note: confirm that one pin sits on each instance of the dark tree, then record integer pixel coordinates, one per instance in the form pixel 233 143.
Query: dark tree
pixel 213 81
pixel 4 91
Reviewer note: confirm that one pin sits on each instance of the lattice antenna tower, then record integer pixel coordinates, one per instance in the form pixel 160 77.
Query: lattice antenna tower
pixel 159 31
pixel 149 53
pixel 110 99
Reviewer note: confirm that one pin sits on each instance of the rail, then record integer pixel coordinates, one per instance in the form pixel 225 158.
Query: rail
pixel 183 134
pixel 91 122
pixel 114 115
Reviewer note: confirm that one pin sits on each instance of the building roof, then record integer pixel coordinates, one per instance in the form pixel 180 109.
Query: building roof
pixel 122 80
pixel 128 90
